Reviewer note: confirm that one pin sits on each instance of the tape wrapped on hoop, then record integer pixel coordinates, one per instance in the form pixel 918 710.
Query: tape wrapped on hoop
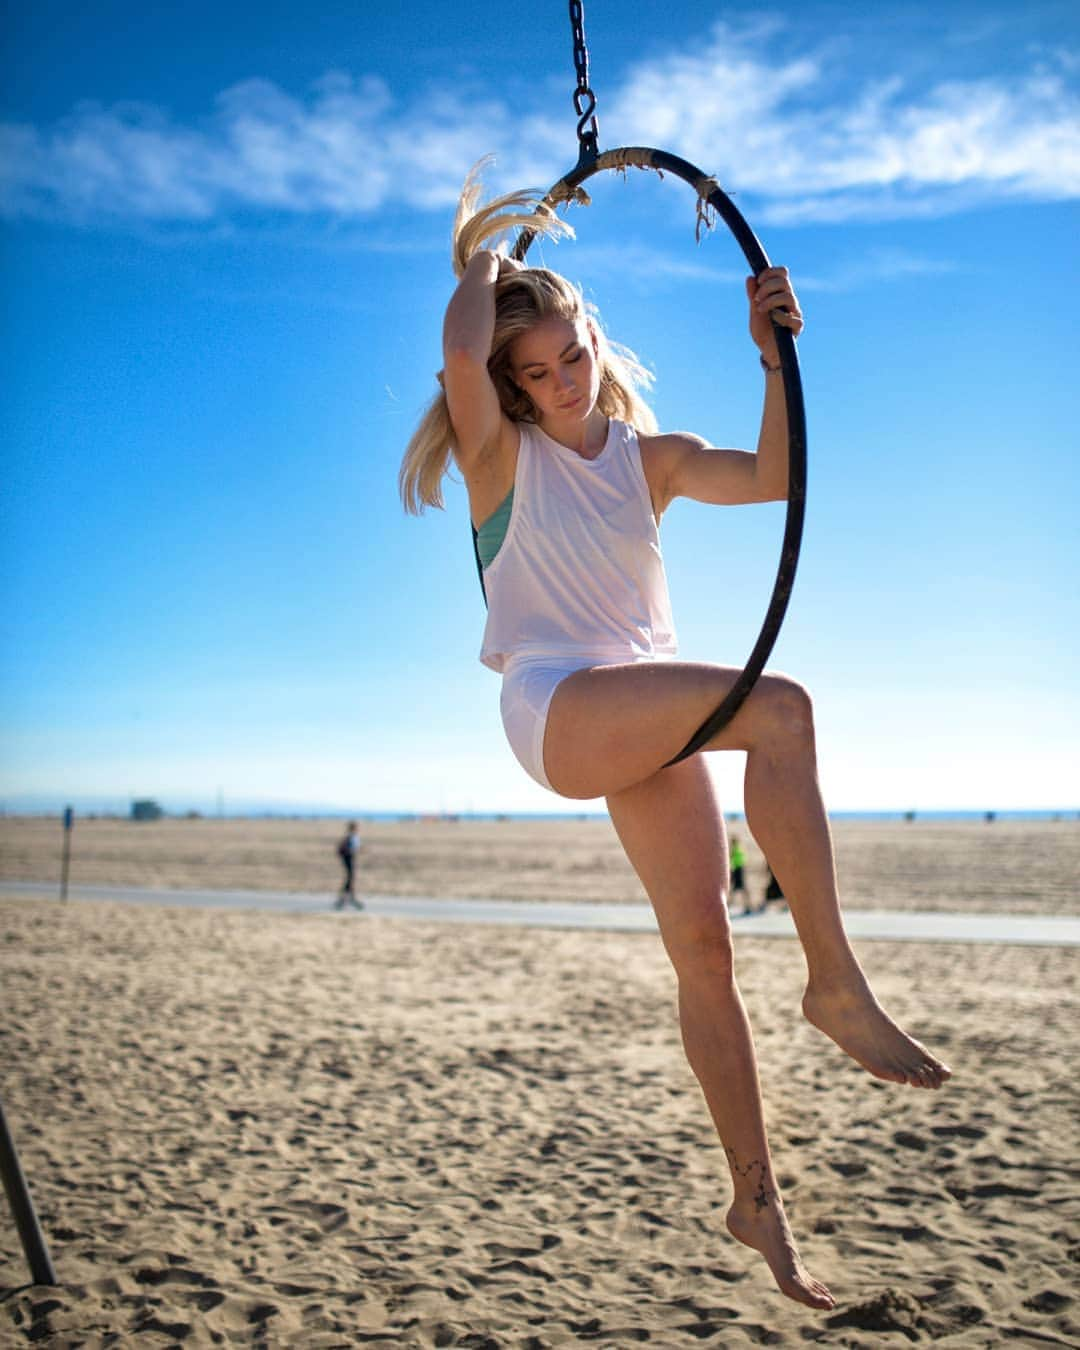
pixel 712 201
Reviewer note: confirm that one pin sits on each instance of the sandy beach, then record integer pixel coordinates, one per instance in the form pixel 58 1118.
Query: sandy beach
pixel 271 1130
pixel 1017 867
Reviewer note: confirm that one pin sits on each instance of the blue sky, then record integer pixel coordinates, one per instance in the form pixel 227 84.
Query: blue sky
pixel 224 266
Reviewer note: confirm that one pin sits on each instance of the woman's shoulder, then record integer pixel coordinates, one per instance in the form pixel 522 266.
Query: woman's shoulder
pixel 666 439
pixel 661 455
pixel 666 446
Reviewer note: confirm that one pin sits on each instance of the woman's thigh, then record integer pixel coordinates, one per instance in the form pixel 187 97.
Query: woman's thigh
pixel 610 727
pixel 672 829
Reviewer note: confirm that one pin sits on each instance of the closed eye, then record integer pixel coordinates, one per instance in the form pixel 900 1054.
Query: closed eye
pixel 536 376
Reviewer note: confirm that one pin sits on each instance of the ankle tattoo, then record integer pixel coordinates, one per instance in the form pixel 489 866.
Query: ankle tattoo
pixel 762 1194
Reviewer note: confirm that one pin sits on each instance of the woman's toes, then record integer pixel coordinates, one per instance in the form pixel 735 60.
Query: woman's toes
pixel 821 1296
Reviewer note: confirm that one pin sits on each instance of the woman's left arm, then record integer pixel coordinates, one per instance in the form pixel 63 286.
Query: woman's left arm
pixel 681 465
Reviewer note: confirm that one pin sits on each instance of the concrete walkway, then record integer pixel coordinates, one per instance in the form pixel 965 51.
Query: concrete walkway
pixel 878 925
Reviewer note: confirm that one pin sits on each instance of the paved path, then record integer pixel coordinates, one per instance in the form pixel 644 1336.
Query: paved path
pixel 883 925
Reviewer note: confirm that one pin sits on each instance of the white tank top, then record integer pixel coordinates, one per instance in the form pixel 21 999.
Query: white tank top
pixel 579 572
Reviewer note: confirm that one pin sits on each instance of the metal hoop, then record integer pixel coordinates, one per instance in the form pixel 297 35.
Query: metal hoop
pixel 712 197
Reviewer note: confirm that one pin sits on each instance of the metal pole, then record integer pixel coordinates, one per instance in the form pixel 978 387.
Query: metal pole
pixel 22 1209
pixel 68 817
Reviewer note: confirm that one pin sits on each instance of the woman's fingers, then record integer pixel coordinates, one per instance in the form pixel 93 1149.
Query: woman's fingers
pixel 786 318
pixel 773 294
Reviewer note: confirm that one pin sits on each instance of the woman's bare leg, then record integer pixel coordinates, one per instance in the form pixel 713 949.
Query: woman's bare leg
pixel 673 833
pixel 787 817
pixel 613 727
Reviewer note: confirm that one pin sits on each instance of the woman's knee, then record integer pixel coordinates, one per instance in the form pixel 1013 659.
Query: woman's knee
pixel 788 710
pixel 702 945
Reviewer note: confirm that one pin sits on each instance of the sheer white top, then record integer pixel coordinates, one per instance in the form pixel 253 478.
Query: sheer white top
pixel 580 572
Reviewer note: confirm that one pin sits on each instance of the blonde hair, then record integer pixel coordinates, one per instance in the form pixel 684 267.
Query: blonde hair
pixel 522 299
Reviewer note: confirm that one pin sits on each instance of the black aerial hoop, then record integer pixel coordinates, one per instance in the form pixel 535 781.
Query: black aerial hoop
pixel 710 198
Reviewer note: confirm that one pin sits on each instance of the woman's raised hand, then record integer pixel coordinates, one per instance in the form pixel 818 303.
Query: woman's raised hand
pixel 771 295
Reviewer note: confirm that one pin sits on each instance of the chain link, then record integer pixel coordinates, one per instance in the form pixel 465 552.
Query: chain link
pixel 588 129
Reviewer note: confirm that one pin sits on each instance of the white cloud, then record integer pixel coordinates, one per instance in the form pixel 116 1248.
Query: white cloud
pixel 632 259
pixel 878 265
pixel 813 142
pixel 806 137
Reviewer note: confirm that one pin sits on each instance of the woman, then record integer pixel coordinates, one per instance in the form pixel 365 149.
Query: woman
pixel 567 478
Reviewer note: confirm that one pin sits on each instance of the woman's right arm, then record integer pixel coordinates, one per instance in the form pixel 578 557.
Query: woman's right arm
pixel 467 332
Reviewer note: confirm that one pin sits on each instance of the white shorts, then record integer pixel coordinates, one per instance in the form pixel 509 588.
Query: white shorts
pixel 528 684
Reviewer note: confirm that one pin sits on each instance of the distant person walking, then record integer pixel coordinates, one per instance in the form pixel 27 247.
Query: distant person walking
pixel 347 849
pixel 738 872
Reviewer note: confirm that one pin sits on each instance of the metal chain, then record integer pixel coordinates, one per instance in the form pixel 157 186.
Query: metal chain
pixel 588 129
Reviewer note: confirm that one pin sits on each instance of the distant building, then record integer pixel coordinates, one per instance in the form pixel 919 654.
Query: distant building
pixel 146 810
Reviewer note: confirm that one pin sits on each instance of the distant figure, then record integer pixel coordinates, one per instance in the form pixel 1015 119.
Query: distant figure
pixel 738 872
pixel 347 850
pixel 772 890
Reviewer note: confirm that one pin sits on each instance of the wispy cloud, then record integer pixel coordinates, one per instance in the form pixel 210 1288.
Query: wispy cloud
pixel 877 265
pixel 346 149
pixel 813 142
pixel 643 268
pixel 803 135
pixel 642 262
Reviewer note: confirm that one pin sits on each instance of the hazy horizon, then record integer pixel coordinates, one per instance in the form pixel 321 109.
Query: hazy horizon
pixel 116 808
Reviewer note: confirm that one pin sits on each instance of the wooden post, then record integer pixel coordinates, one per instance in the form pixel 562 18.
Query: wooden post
pixel 69 816
pixel 22 1209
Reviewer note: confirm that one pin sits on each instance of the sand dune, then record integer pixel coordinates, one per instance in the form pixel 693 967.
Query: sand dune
pixel 245 1129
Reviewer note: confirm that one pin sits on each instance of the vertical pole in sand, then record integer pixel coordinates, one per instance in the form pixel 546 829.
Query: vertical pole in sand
pixel 68 817
pixel 22 1209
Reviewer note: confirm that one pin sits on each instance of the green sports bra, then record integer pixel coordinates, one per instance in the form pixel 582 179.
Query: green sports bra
pixel 490 535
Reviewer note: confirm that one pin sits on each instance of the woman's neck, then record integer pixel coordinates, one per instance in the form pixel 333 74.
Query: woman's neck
pixel 585 438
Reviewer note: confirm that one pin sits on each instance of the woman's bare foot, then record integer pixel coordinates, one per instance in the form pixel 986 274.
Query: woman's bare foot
pixel 852 1017
pixel 765 1229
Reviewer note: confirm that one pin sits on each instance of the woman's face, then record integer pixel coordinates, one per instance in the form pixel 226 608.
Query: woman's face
pixel 555 363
